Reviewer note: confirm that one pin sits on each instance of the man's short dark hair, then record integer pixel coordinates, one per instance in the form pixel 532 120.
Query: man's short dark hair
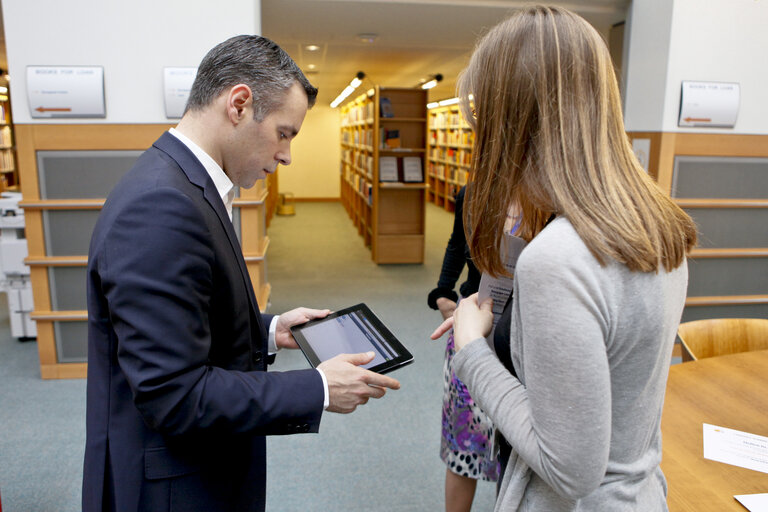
pixel 254 61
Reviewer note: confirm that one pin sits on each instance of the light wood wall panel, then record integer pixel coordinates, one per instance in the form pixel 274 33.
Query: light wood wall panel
pixel 32 138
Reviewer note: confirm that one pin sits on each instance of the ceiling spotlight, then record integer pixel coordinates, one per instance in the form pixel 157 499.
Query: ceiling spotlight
pixel 367 38
pixel 311 66
pixel 349 89
pixel 312 47
pixel 433 82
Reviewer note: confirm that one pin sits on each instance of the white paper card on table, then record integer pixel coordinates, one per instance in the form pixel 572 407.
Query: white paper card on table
pixel 736 448
pixel 499 288
pixel 388 168
pixel 412 169
pixel 753 502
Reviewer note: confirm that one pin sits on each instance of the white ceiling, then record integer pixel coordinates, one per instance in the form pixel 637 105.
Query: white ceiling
pixel 415 38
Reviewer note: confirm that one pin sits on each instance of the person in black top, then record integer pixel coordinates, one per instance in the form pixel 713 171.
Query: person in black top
pixel 466 431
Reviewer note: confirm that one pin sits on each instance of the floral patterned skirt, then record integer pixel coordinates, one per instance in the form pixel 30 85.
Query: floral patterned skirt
pixel 467 432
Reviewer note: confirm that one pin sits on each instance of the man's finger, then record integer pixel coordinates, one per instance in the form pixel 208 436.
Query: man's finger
pixel 375 379
pixel 358 359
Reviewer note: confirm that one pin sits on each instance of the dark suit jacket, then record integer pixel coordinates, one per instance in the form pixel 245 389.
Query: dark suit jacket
pixel 178 394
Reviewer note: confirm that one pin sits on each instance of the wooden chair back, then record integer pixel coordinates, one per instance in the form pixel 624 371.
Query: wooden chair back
pixel 720 336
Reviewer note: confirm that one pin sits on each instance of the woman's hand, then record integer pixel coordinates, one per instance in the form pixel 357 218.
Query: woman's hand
pixel 472 320
pixel 446 307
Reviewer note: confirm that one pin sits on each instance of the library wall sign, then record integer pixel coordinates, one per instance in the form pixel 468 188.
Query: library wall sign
pixel 708 104
pixel 177 83
pixel 65 91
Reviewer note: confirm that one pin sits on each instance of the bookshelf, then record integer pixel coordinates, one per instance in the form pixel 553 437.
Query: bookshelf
pixel 449 155
pixel 9 177
pixel 383 148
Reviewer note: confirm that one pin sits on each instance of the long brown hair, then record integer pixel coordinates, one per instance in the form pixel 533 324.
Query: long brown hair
pixel 542 97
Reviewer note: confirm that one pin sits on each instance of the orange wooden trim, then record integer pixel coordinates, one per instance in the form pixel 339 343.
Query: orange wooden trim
pixel 385 184
pixel 52 137
pixel 259 256
pixel 26 161
pixel 59 316
pixel 721 203
pixel 33 220
pixel 316 199
pixel 718 144
pixel 46 344
pixel 726 300
pixel 57 261
pixel 64 371
pixel 729 253
pixel 63 204
pixel 40 287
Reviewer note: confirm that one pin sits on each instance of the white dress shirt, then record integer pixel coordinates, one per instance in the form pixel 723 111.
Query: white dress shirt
pixel 226 190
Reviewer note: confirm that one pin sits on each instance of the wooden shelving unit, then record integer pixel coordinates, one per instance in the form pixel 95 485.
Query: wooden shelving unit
pixel 388 214
pixel 450 153
pixel 9 176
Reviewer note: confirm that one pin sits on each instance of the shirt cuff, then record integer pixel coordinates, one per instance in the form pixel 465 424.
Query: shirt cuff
pixel 272 347
pixel 326 399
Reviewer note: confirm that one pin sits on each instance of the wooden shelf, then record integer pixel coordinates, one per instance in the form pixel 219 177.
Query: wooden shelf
pixel 389 216
pixel 448 133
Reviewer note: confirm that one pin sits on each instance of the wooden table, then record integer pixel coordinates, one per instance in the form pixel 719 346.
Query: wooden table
pixel 727 391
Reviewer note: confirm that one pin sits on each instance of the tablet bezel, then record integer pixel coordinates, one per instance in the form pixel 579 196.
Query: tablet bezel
pixel 402 358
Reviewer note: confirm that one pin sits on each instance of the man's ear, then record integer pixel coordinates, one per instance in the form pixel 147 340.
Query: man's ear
pixel 239 103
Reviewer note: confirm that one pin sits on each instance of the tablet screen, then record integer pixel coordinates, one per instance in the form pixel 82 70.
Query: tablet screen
pixel 351 331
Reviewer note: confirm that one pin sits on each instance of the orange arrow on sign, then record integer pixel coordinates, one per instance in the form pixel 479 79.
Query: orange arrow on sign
pixel 697 120
pixel 43 109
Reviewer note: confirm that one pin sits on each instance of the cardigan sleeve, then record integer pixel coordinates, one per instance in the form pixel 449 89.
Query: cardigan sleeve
pixel 559 422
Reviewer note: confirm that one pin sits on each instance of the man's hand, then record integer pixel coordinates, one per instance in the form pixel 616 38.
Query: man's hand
pixel 349 385
pixel 283 336
pixel 446 307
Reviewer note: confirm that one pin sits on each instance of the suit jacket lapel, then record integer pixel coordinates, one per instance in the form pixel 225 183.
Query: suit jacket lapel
pixel 197 174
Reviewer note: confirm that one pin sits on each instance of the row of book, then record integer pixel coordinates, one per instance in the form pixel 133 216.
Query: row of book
pixel 6 140
pixel 451 155
pixel 357 137
pixel 448 173
pixel 358 113
pixel 362 161
pixel 362 187
pixel 6 160
pixel 447 119
pixel 452 137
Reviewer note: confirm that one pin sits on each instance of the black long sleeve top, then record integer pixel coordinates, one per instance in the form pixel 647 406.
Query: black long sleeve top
pixel 456 256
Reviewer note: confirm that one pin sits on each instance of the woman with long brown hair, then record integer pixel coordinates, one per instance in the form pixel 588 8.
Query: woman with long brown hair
pixel 598 290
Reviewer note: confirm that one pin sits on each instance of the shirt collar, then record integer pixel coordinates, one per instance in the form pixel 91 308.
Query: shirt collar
pixel 221 181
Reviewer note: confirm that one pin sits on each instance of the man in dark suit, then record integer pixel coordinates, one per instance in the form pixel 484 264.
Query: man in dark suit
pixel 179 400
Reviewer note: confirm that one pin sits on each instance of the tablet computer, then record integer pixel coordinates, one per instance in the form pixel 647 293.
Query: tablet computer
pixel 350 331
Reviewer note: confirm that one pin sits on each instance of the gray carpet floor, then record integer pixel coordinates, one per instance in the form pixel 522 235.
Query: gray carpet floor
pixel 383 457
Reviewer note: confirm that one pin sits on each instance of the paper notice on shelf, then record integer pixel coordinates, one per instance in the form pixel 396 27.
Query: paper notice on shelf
pixel 65 91
pixel 499 288
pixel 753 502
pixel 388 168
pixel 412 169
pixel 736 448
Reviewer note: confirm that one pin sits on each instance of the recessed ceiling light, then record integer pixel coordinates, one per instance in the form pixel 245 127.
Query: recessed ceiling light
pixel 312 47
pixel 367 38
pixel 311 66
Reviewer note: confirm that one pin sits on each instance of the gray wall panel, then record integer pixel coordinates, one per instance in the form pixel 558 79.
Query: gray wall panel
pixel 71 341
pixel 735 311
pixel 81 174
pixel 731 227
pixel 67 288
pixel 720 177
pixel 68 232
pixel 727 276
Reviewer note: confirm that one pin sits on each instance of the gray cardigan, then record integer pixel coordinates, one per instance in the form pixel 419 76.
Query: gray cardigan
pixel 592 348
